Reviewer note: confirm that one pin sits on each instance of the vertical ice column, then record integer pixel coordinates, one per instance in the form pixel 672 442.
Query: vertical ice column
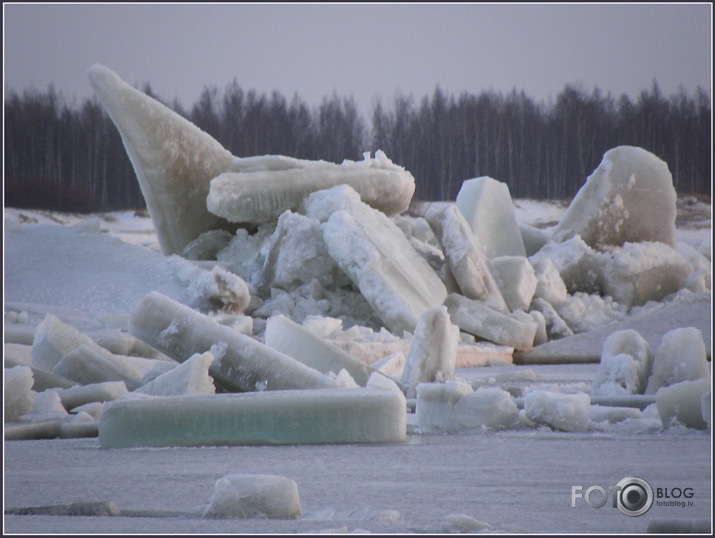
pixel 173 159
pixel 433 351
pixel 487 205
pixel 244 364
pixel 358 415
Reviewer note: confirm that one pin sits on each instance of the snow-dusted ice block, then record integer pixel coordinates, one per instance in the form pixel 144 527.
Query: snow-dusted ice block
pixel 255 496
pixel 359 415
pixel 642 272
pixel 242 363
pixel 549 284
pixel 264 195
pixel 626 363
pixel 487 205
pixel 682 356
pixel 54 339
pixel 17 392
pixel 369 247
pixel 173 159
pixel 682 402
pixel 189 378
pixel 515 330
pixel 288 337
pixel 433 351
pixel 516 279
pixel 454 406
pixel 578 264
pixel 567 412
pixel 629 198
pixel 465 255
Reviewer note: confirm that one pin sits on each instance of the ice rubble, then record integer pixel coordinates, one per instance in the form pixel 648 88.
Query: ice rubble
pixel 336 286
pixel 254 496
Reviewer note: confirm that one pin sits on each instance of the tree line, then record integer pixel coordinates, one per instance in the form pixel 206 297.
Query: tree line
pixel 68 157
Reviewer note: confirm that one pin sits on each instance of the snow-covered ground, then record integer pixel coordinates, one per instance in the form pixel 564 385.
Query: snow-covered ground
pixel 92 271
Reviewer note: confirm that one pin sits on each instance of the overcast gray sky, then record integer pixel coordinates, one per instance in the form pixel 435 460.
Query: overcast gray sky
pixel 366 51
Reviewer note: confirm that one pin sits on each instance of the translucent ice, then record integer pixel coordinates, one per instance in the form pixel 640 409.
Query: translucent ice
pixel 487 205
pixel 454 406
pixel 549 284
pixel 433 351
pixel 244 363
pixel 190 377
pixel 17 392
pixel 294 340
pixel 264 195
pixel 626 363
pixel 515 330
pixel 682 356
pixel 173 159
pixel 629 198
pixel 516 279
pixel 567 412
pixel 95 392
pixel 642 272
pixel 359 415
pixel 465 255
pixel 397 282
pixel 682 402
pixel 54 339
pixel 255 496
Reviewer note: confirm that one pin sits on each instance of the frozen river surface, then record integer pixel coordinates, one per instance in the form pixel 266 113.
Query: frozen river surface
pixel 516 481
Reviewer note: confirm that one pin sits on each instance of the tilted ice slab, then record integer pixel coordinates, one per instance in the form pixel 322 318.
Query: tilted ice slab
pixel 487 205
pixel 465 255
pixel 515 330
pixel 242 363
pixel 369 247
pixel 173 159
pixel 260 196
pixel 433 350
pixel 629 197
pixel 288 337
pixel 54 339
pixel 189 378
pixel 683 402
pixel 516 279
pixel 375 414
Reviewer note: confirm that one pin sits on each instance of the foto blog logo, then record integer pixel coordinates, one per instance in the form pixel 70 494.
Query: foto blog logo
pixel 633 496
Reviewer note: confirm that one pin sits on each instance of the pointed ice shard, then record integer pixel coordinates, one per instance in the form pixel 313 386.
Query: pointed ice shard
pixel 173 159
pixel 465 255
pixel 433 351
pixel 264 195
pixel 290 338
pixel 359 415
pixel 242 363
pixel 487 205
pixel 190 377
pixel 369 247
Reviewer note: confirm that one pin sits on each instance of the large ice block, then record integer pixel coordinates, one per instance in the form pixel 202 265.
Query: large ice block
pixel 17 392
pixel 629 198
pixel 487 205
pixel 54 339
pixel 465 255
pixel 242 363
pixel 173 159
pixel 515 330
pixel 682 402
pixel 682 356
pixel 626 363
pixel 642 272
pixel 563 411
pixel 580 267
pixel 288 337
pixel 516 279
pixel 260 196
pixel 433 350
pixel 375 414
pixel 369 247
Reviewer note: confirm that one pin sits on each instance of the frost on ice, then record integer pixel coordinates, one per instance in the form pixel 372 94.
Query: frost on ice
pixel 318 296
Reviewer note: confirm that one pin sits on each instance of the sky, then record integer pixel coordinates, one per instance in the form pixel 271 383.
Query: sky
pixel 369 52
